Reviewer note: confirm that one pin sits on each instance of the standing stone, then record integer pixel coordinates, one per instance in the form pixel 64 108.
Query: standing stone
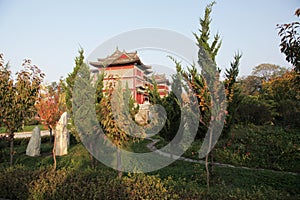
pixel 142 116
pixel 34 145
pixel 62 136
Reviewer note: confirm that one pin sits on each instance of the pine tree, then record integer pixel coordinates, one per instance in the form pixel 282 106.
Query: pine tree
pixel 204 37
pixel 69 88
pixel 116 119
pixel 127 97
pixel 233 92
pixel 172 104
pixel 198 84
pixel 83 108
pixel 99 94
pixel 154 96
pixel 209 82
pixel 157 117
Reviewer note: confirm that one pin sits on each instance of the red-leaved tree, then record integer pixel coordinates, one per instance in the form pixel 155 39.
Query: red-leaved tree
pixel 50 106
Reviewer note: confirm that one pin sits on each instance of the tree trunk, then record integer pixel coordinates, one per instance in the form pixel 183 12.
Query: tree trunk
pixel 171 151
pixel 119 163
pixel 92 161
pixel 207 171
pixel 206 158
pixel 12 152
pixel 54 154
pixel 50 131
pixel 23 124
pixel 212 165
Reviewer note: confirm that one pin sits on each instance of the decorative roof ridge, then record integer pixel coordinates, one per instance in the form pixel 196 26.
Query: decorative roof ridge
pixel 115 53
pixel 115 59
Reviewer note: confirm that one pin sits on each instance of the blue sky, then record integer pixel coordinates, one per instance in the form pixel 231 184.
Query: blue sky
pixel 51 32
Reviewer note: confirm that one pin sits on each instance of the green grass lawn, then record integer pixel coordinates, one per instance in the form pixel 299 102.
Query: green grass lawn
pixel 180 180
pixel 268 147
pixel 26 128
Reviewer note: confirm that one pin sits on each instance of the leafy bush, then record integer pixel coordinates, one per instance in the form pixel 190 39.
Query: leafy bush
pixel 21 183
pixel 3 145
pixel 289 112
pixel 68 184
pixel 141 186
pixel 47 183
pixel 14 182
pixel 33 122
pixel 269 147
pixel 255 111
pixel 256 192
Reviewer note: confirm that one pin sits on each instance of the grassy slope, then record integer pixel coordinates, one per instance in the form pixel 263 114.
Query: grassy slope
pixel 267 147
pixel 239 183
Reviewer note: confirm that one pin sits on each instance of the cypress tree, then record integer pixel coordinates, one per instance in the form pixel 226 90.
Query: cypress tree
pixel 69 89
pixel 233 92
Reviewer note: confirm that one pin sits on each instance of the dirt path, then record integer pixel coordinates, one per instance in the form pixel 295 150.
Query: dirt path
pixel 28 134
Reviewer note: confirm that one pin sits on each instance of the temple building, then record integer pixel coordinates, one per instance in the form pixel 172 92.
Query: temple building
pixel 130 70
pixel 162 84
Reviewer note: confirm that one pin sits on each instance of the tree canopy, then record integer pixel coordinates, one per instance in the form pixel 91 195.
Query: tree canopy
pixel 290 41
pixel 18 97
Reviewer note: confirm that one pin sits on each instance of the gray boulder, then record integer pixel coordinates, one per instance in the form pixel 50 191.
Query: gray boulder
pixel 34 145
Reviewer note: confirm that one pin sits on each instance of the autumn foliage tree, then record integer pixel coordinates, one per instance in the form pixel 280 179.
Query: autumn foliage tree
pixel 285 94
pixel 110 124
pixel 290 41
pixel 51 106
pixel 18 97
pixel 285 89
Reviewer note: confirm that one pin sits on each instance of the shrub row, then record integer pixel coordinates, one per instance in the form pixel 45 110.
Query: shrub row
pixel 21 183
